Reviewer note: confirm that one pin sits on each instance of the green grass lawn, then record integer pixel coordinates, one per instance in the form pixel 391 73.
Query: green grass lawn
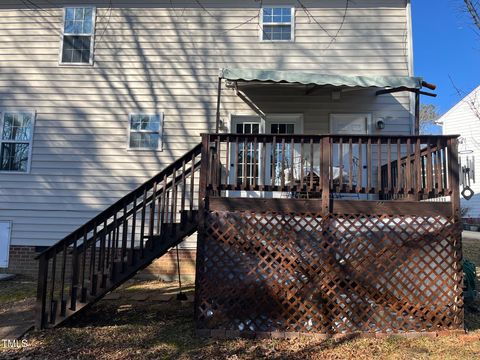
pixel 16 289
pixel 129 329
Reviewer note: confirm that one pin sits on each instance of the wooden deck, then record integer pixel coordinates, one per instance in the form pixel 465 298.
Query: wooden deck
pixel 296 233
pixel 343 234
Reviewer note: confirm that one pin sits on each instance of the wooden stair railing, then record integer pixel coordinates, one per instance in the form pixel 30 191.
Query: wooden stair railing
pixel 123 239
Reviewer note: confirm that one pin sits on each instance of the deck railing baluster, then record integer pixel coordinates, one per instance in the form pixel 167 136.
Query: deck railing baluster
pixel 264 165
pixel 418 169
pixel 53 302
pixel 255 163
pixel 340 164
pixel 283 164
pixel 124 238
pixel 310 187
pixel 291 178
pixel 302 160
pixel 227 162
pixel 151 219
pixel 438 168
pixel 274 161
pixel 133 233
pixel 388 189
pixel 400 182
pixel 93 251
pixel 378 188
pixel 350 164
pixel 360 166
pixel 63 302
pixel 429 186
pixel 75 274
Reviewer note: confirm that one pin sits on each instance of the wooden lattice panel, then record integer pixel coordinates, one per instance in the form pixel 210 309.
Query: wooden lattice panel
pixel 267 272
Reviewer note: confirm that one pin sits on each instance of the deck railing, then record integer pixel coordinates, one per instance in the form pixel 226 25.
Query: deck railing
pixel 387 166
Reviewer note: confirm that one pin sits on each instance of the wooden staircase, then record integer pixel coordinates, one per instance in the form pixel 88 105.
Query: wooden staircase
pixel 119 242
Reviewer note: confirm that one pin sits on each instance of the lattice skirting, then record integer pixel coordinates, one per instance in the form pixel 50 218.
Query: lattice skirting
pixel 331 274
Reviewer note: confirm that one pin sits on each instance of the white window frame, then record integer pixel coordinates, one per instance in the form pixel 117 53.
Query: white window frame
pixel 30 142
pixel 160 131
pixel 292 23
pixel 92 36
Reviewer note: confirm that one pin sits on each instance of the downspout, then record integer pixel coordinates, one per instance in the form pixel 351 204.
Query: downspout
pixel 410 62
pixel 219 96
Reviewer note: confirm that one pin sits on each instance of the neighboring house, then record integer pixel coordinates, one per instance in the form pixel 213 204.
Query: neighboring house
pixel 464 119
pixel 79 83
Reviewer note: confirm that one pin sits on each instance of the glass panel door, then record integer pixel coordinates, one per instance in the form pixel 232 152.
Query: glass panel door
pixel 248 157
pixel 281 156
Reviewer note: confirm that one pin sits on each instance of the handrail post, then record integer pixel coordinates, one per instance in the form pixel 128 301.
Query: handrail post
pixel 453 177
pixel 202 207
pixel 41 318
pixel 204 171
pixel 325 146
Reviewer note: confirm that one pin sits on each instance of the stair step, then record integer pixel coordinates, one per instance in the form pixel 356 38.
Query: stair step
pixel 121 271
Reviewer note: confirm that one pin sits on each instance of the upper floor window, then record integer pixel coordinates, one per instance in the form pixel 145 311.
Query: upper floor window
pixel 77 39
pixel 145 132
pixel 16 135
pixel 277 23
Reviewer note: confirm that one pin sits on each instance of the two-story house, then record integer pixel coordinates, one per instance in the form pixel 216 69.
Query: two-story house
pixel 98 98
pixel 316 100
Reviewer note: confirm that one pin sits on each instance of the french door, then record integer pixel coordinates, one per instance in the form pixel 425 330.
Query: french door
pixel 350 124
pixel 282 159
pixel 246 163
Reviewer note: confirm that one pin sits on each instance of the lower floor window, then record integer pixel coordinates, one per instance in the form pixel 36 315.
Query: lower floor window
pixel 145 131
pixel 16 134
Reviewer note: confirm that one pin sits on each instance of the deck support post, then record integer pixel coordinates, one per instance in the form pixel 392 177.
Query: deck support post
pixel 325 173
pixel 41 293
pixel 219 97
pixel 202 211
pixel 453 177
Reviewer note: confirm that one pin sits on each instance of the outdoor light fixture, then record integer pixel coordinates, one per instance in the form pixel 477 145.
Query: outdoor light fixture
pixel 380 124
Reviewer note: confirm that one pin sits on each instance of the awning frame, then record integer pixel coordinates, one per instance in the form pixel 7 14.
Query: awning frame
pixel 388 85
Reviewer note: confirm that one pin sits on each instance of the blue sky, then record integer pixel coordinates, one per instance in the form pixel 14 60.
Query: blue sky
pixel 445 44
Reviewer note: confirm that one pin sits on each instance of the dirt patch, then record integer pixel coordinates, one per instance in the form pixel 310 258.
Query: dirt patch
pixel 159 326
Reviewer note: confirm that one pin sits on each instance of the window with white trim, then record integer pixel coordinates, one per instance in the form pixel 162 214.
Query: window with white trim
pixel 277 23
pixel 145 131
pixel 16 135
pixel 77 38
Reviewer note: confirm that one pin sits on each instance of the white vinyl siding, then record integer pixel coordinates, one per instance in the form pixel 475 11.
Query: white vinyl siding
pixel 153 58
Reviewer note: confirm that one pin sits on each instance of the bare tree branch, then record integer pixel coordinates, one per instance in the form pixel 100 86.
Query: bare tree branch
pixel 473 8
